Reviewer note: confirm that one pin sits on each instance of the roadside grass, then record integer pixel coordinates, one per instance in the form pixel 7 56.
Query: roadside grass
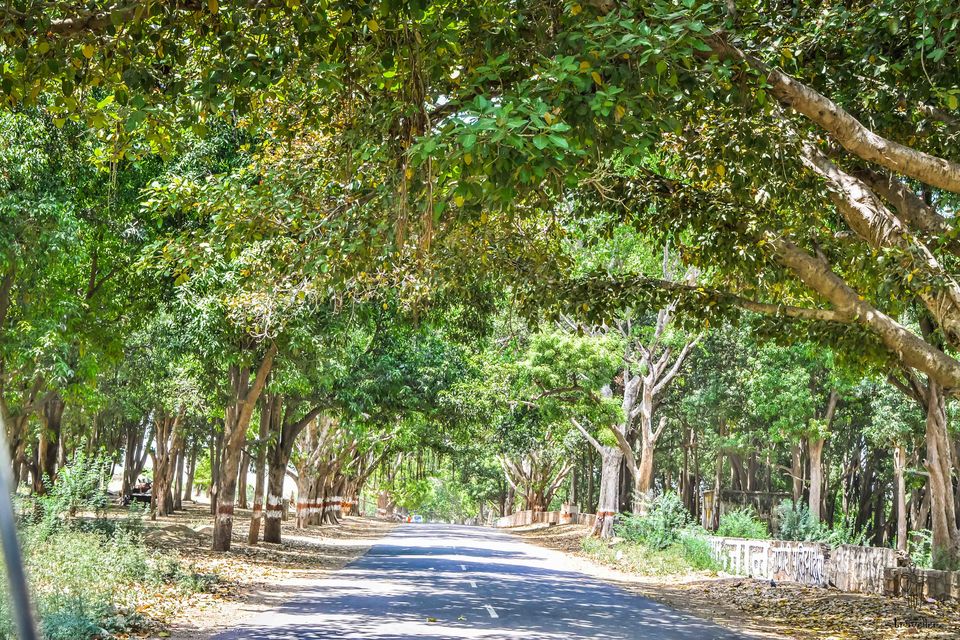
pixel 663 541
pixel 690 554
pixel 88 581
pixel 90 575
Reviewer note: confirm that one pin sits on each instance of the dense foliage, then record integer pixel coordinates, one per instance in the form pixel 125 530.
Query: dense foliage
pixel 468 257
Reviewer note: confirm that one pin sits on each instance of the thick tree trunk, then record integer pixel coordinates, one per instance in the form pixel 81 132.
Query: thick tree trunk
pixel 236 420
pixel 643 482
pixel 611 459
pixel 49 442
pixel 796 472
pixel 946 537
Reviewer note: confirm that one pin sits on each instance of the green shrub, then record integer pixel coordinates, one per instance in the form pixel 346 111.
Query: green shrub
pixel 663 542
pixel 797 523
pixel 70 625
pixel 81 485
pixel 87 574
pixel 921 548
pixel 660 527
pixel 743 523
pixel 696 551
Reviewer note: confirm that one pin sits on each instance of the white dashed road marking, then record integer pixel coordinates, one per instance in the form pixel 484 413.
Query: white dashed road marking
pixel 464 567
pixel 491 611
pixel 473 584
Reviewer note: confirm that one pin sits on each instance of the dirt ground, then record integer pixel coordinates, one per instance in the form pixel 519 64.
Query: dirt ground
pixel 762 610
pixel 250 578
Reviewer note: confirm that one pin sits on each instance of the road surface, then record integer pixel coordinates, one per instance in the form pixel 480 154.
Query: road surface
pixel 434 582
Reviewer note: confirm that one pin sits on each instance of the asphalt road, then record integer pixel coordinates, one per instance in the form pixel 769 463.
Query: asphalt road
pixel 439 581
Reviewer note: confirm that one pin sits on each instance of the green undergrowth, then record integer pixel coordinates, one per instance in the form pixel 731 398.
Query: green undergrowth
pixel 89 574
pixel 690 554
pixel 664 541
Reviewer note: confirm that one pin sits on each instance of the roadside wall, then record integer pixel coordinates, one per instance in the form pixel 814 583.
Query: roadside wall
pixel 847 567
pixel 524 518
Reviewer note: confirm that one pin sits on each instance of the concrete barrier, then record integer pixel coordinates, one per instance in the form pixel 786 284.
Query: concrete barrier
pixel 921 584
pixel 526 518
pixel 847 567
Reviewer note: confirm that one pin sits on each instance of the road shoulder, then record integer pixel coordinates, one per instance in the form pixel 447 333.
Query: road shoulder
pixel 756 608
pixel 254 579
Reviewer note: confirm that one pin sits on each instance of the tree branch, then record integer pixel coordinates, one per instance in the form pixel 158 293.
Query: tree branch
pixel 844 128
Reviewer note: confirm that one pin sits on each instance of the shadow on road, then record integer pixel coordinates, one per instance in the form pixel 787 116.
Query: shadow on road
pixel 432 582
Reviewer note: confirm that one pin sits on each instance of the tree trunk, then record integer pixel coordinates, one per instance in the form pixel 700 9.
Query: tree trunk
pixel 49 443
pixel 216 441
pixel 191 470
pixel 796 471
pixel 590 478
pixel 815 453
pixel 268 411
pixel 611 459
pixel 236 420
pixel 643 482
pixel 242 480
pixel 178 482
pixel 899 465
pixel 946 537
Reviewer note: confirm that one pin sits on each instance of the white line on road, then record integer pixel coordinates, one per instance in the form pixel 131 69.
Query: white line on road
pixel 464 567
pixel 491 611
pixel 473 584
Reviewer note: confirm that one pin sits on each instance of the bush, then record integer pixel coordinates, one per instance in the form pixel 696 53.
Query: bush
pixel 921 548
pixel 81 486
pixel 660 527
pixel 690 553
pixel 663 542
pixel 87 574
pixel 743 523
pixel 797 523
pixel 696 551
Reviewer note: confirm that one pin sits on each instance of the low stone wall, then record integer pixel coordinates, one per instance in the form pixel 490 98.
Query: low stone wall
pixel 847 567
pixel 921 584
pixel 861 569
pixel 524 518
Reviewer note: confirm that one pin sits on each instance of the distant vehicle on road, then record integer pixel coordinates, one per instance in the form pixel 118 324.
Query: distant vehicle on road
pixel 417 519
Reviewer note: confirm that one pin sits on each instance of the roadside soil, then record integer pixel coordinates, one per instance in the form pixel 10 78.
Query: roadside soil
pixel 249 579
pixel 759 609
